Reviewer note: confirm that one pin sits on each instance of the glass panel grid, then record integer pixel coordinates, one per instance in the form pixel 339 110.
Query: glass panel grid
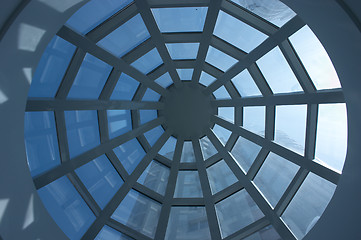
pixel 219 59
pixel 148 62
pixel 220 176
pixel 181 51
pixel 188 185
pixel 155 177
pixel 130 154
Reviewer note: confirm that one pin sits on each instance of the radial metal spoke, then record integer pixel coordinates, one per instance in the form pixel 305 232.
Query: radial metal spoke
pixel 252 190
pixel 189 37
pixel 86 157
pixel 124 189
pixel 302 161
pixel 70 105
pixel 326 96
pixel 282 34
pixel 178 3
pixel 88 46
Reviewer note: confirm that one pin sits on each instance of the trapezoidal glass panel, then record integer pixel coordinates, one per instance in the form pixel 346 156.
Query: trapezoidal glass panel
pixel 153 135
pixel 222 133
pixel 168 148
pixel 165 80
pixel 41 142
pixel 274 176
pixel 119 122
pixel 331 141
pixel 245 84
pixel 82 130
pixel 245 152
pixel 148 62
pixel 130 154
pixel 101 179
pixel 254 119
pixel 290 129
pixel 227 113
pixel 182 19
pixel 181 51
pixel 125 38
pixel 108 233
pixel 273 11
pixel 237 32
pixel 188 153
pixel 91 78
pixel 51 68
pixel 155 177
pixel 67 207
pixel 308 204
pixel 147 115
pixel 219 59
pixel 188 223
pixel 220 176
pixel 315 59
pixel 280 76
pixel 185 74
pixel 93 13
pixel 188 185
pixel 125 88
pixel 206 79
pixel 138 212
pixel 236 212
pixel 150 96
pixel 221 93
pixel 207 147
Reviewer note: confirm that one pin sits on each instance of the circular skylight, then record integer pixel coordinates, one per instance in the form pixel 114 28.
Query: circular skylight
pixel 178 120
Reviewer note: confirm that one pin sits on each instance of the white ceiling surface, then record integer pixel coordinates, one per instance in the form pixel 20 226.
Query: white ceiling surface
pixel 342 41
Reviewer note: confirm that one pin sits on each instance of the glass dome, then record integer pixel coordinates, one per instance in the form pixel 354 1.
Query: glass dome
pixel 185 120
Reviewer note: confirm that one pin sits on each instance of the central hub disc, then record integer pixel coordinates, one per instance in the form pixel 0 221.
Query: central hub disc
pixel 187 110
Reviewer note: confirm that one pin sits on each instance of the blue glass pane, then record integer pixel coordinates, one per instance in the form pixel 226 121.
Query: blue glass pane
pixel 308 204
pixel 179 51
pixel 206 79
pixel 151 96
pixel 139 213
pixel 130 154
pixel 119 122
pixel 219 59
pixel 125 88
pixel 245 84
pixel 153 135
pixel 237 32
pixel 274 177
pixel 221 93
pixel 236 212
pixel 188 223
pixel 41 142
pixel 254 119
pixel 184 19
pixel 165 80
pixel 207 147
pixel 315 59
pixel 67 207
pixel 220 176
pixel 148 61
pixel 331 141
pixel 51 69
pixel 291 127
pixel 273 11
pixel 101 179
pixel 82 130
pixel 155 177
pixel 226 113
pixel 279 76
pixel 222 133
pixel 185 74
pixel 168 148
pixel 187 153
pixel 126 37
pixel 91 77
pixel 108 233
pixel 188 185
pixel 94 13
pixel 245 152
pixel 147 115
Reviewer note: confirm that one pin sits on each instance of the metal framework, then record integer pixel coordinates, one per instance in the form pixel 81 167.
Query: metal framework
pixel 277 37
